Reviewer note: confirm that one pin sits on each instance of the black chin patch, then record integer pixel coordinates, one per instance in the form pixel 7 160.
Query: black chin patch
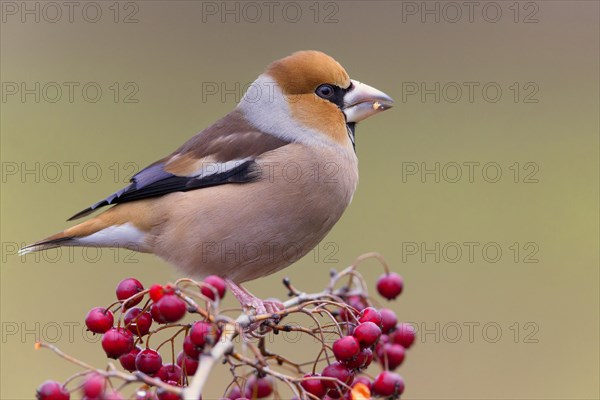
pixel 351 126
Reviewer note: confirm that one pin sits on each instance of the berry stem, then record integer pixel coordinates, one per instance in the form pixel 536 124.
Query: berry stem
pixel 230 331
pixel 367 256
pixel 112 372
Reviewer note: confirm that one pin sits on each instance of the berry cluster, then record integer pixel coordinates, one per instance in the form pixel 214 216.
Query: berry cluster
pixel 367 335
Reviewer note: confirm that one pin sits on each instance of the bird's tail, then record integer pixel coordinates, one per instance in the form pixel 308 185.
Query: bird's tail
pixel 109 229
pixel 68 237
pixel 45 244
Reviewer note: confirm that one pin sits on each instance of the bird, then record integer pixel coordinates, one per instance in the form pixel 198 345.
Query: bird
pixel 252 193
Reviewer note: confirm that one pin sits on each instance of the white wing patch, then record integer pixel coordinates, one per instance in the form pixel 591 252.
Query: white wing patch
pixel 209 168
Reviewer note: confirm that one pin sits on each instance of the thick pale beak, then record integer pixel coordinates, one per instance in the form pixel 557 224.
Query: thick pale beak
pixel 362 101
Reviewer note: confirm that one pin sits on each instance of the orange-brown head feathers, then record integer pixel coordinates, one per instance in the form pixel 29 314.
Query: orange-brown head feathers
pixel 299 76
pixel 304 71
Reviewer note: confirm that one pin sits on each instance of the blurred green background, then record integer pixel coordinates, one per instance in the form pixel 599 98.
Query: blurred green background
pixel 520 324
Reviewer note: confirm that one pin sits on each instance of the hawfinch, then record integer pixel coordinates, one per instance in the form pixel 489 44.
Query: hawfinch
pixel 255 191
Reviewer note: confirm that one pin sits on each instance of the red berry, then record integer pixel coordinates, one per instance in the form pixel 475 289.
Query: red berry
pixel 383 339
pixel 370 314
pixel 148 361
pixel 190 349
pixel 367 334
pixel 342 374
pixel 260 387
pixel 391 353
pixel 171 308
pixel 116 342
pixel 388 320
pixel 357 302
pixel 93 387
pixel 236 393
pixel 390 285
pixel 344 315
pixel 362 360
pixel 313 386
pixel 217 287
pixel 128 360
pixel 52 390
pixel 169 372
pixel 162 394
pixel 156 292
pixel 338 371
pixel 203 333
pixel 404 335
pixel 368 357
pixel 156 315
pixel 345 348
pixel 388 384
pixel 336 394
pixel 169 289
pixel 137 321
pixel 99 320
pixel 187 364
pixel 127 288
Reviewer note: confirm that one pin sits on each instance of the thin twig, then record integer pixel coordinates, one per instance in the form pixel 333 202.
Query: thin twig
pixel 225 344
pixel 112 372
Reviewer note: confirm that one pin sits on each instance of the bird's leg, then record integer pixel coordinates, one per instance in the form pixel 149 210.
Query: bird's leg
pixel 248 300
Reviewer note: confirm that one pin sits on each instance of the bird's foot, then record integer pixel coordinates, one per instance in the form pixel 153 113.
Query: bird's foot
pixel 273 306
pixel 251 303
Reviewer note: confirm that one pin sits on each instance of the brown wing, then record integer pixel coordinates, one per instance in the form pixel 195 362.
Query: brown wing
pixel 223 153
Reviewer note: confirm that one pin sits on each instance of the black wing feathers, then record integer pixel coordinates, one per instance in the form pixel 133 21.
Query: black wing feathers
pixel 154 181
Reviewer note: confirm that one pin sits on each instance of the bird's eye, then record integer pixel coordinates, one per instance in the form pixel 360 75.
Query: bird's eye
pixel 325 91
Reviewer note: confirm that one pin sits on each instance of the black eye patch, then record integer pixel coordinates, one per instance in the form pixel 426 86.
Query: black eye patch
pixel 333 93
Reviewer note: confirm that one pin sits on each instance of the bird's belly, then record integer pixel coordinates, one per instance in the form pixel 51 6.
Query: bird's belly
pixel 249 233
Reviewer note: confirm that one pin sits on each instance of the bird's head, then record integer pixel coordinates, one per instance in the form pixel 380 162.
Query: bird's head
pixel 313 90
